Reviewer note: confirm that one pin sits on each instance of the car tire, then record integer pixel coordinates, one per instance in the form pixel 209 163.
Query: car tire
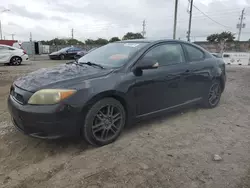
pixel 62 57
pixel 15 60
pixel 212 99
pixel 104 122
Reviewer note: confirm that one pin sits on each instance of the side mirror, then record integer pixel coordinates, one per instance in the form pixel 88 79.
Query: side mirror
pixel 147 63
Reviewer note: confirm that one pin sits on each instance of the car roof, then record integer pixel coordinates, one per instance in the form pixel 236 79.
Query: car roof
pixel 148 40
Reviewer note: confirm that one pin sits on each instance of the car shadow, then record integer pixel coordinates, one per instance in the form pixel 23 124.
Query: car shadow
pixel 77 145
pixel 162 117
pixel 7 65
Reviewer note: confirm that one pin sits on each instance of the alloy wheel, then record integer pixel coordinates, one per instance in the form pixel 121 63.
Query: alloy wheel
pixel 107 123
pixel 214 94
pixel 62 57
pixel 16 61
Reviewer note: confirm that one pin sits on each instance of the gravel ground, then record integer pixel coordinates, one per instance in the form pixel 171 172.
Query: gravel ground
pixel 171 151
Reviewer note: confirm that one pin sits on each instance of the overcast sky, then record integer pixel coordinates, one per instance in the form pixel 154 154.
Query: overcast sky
pixel 47 19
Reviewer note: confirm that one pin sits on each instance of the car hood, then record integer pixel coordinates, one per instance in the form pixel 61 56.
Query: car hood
pixel 61 76
pixel 54 53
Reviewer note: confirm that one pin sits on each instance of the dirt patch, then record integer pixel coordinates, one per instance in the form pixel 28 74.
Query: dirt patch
pixel 174 150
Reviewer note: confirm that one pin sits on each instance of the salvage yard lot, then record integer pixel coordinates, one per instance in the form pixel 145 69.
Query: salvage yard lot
pixel 174 150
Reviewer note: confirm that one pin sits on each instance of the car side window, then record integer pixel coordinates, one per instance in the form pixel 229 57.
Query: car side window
pixel 166 54
pixel 194 53
pixel 77 49
pixel 70 50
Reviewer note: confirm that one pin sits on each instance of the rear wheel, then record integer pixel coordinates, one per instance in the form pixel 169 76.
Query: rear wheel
pixel 104 122
pixel 62 57
pixel 213 97
pixel 15 60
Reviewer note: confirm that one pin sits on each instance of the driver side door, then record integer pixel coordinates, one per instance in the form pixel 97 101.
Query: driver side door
pixel 5 54
pixel 159 89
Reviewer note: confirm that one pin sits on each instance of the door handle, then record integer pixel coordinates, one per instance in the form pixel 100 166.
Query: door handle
pixel 186 72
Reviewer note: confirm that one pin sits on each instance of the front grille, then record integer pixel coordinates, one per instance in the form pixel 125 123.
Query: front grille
pixel 18 95
pixel 19 98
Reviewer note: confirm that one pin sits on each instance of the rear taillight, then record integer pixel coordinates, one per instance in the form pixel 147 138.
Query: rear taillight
pixel 24 52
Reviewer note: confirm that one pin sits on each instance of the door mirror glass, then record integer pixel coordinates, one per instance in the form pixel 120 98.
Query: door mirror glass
pixel 147 63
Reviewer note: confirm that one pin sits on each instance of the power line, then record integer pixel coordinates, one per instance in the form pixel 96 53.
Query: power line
pixel 222 11
pixel 210 17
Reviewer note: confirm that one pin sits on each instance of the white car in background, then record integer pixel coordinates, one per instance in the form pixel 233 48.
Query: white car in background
pixel 12 56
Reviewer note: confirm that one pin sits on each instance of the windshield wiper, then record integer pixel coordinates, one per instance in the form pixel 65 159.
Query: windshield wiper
pixel 91 64
pixel 74 62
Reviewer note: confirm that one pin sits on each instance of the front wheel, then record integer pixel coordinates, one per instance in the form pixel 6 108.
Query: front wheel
pixel 15 60
pixel 104 122
pixel 214 94
pixel 62 57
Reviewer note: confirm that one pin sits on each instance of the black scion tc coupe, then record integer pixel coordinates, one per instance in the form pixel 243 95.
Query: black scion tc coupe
pixel 104 90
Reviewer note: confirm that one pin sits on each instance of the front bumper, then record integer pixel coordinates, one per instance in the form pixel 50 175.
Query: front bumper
pixel 25 57
pixel 54 56
pixel 45 121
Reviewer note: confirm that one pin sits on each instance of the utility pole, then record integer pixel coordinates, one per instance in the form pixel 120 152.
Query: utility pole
pixel 175 18
pixel 12 35
pixel 1 34
pixel 241 24
pixel 72 33
pixel 31 46
pixel 143 28
pixel 190 20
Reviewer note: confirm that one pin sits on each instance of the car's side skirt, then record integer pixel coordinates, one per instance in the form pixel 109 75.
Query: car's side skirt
pixel 193 101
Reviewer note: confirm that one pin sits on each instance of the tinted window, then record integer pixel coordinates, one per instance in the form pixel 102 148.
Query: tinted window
pixel 70 50
pixel 226 55
pixel 166 54
pixel 64 49
pixel 113 54
pixel 77 49
pixel 194 53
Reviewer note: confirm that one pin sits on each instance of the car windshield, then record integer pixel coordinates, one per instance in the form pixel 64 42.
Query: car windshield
pixel 113 54
pixel 64 49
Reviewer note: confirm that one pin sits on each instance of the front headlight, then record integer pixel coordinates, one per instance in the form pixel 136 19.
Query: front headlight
pixel 50 96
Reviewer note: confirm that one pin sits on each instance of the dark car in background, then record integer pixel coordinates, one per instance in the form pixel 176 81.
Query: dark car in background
pixel 113 85
pixel 65 53
pixel 83 53
pixel 80 54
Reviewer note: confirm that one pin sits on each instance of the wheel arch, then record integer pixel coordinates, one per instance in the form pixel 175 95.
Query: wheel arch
pixel 222 82
pixel 13 57
pixel 119 96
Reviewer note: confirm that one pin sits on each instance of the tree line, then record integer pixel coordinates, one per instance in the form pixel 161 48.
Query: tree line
pixel 99 41
pixel 225 36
